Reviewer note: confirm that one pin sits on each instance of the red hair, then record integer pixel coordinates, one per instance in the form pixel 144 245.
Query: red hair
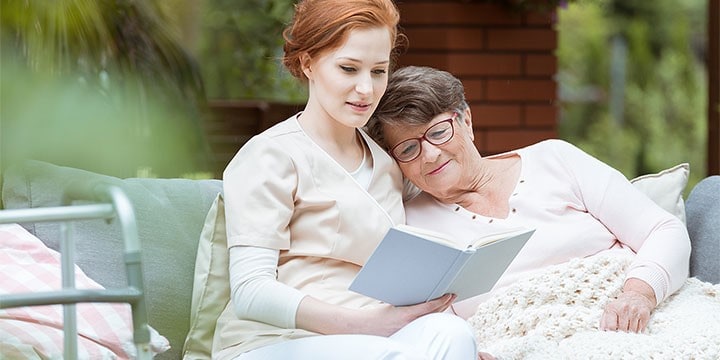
pixel 320 25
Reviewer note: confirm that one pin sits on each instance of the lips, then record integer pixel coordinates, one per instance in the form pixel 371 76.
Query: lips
pixel 359 106
pixel 439 168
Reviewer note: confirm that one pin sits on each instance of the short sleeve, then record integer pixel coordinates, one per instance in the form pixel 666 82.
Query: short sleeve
pixel 258 186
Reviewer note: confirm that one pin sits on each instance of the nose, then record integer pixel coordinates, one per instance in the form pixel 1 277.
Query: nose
pixel 429 151
pixel 364 84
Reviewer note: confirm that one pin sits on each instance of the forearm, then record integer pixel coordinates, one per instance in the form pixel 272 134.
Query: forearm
pixel 256 294
pixel 321 317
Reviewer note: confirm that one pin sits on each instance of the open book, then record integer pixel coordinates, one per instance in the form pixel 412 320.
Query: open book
pixel 413 265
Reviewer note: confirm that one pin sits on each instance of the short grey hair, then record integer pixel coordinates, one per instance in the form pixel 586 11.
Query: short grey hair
pixel 414 96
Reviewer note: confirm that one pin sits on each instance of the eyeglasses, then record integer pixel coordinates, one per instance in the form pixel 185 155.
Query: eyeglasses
pixel 438 134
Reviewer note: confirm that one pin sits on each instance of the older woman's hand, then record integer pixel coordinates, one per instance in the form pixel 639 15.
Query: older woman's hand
pixel 631 310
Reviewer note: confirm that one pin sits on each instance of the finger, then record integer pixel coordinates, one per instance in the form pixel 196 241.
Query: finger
pixel 609 321
pixel 624 322
pixel 633 324
pixel 447 300
pixel 642 324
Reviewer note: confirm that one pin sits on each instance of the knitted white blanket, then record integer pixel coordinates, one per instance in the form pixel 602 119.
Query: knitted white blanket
pixel 555 314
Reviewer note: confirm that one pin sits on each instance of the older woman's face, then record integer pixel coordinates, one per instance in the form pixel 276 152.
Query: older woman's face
pixel 439 169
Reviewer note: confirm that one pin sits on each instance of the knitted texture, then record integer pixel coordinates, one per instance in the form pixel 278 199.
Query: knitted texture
pixel 555 314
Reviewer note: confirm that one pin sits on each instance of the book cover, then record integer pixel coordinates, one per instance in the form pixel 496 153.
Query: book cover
pixel 412 265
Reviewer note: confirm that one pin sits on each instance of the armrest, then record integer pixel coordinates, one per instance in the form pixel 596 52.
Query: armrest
pixel 703 222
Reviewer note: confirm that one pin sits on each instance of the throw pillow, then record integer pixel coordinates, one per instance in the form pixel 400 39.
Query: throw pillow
pixel 666 188
pixel 211 290
pixel 105 330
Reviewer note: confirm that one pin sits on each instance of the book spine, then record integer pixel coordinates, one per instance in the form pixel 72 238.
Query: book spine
pixel 453 270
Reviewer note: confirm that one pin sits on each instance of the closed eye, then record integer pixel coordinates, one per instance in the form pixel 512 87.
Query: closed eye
pixel 408 149
pixel 347 68
pixel 438 134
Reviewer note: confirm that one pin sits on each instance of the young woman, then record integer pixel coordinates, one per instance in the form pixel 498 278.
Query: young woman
pixel 308 200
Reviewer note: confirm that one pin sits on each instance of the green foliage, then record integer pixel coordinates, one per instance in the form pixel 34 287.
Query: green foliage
pixel 63 121
pixel 240 49
pixel 121 54
pixel 664 97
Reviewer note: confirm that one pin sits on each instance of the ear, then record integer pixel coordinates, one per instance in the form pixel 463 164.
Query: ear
pixel 467 121
pixel 305 61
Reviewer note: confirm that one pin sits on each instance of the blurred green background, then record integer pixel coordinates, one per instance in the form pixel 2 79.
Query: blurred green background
pixel 121 87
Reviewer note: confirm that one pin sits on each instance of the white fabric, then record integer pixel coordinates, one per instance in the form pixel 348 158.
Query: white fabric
pixel 255 292
pixel 434 336
pixel 555 314
pixel 363 174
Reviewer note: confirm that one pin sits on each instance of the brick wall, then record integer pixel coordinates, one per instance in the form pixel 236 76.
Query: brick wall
pixel 504 57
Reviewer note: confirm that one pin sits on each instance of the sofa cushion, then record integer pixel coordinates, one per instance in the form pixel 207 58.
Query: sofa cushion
pixel 169 214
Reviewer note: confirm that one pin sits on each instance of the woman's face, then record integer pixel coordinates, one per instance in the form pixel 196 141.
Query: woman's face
pixel 348 82
pixel 439 169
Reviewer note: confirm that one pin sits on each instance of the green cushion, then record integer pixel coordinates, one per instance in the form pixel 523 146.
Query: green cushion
pixel 170 215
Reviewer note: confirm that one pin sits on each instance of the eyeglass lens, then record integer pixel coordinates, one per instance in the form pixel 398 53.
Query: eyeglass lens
pixel 437 134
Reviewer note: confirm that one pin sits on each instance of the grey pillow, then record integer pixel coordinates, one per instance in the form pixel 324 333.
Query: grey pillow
pixel 170 215
pixel 703 222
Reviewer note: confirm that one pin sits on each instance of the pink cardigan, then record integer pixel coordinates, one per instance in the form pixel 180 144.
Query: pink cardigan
pixel 579 207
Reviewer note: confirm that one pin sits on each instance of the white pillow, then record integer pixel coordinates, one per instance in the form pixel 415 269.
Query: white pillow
pixel 666 188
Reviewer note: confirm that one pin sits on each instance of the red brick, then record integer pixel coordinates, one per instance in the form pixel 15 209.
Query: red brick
pixel 495 115
pixel 541 115
pixel 521 39
pixel 540 65
pixel 484 64
pixel 466 64
pixel 474 89
pixel 521 90
pixel 445 38
pixel 439 61
pixel 497 141
pixel 434 13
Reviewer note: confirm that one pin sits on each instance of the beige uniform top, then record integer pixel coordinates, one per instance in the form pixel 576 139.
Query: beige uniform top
pixel 282 191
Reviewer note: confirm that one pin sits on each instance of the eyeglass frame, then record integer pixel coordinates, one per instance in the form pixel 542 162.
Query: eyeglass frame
pixel 424 137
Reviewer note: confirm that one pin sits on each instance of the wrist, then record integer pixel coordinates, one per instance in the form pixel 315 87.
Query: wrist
pixel 639 287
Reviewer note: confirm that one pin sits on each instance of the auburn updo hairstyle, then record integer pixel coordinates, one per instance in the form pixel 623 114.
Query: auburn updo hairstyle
pixel 322 25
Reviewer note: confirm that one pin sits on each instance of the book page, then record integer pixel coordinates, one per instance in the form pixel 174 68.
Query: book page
pixel 431 235
pixel 496 235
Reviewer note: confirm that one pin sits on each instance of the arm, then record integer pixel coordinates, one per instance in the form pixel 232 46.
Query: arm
pixel 659 239
pixel 384 320
pixel 257 295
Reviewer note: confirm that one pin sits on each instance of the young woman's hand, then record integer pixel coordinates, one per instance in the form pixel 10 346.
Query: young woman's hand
pixel 383 320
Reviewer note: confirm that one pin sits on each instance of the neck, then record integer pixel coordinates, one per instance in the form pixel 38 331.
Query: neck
pixel 342 143
pixel 487 191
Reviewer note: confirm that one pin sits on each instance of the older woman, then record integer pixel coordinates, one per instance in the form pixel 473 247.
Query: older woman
pixel 579 206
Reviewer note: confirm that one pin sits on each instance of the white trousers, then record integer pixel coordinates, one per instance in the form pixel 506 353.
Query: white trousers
pixel 431 337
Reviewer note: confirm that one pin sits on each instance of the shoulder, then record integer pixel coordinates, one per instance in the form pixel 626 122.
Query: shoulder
pixel 422 203
pixel 271 149
pixel 551 146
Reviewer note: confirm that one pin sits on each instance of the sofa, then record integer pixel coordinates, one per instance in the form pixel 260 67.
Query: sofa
pixel 173 215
